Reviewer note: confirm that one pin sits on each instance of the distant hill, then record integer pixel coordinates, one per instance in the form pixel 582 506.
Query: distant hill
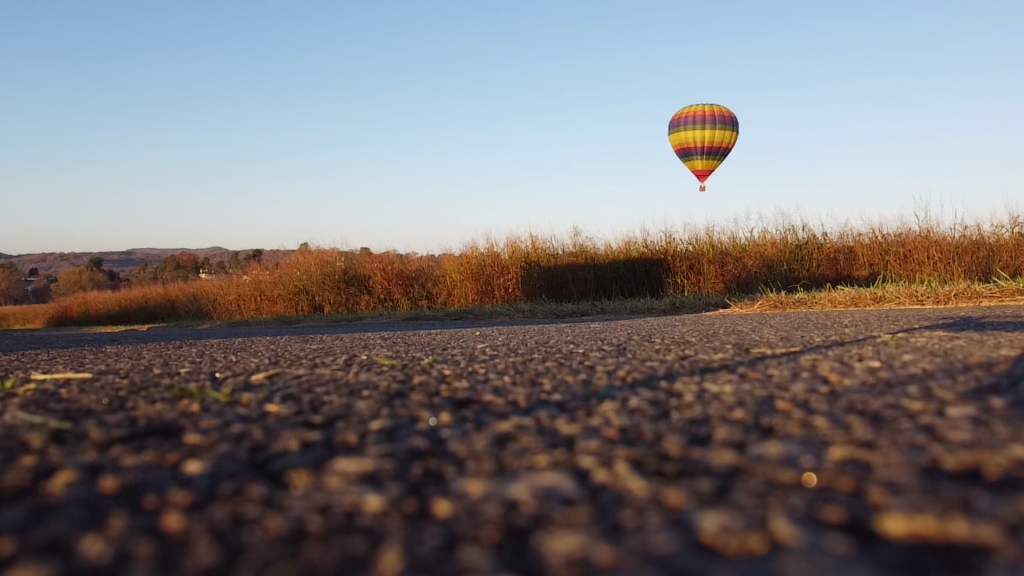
pixel 125 260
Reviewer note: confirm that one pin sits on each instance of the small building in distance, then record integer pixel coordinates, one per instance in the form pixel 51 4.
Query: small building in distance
pixel 33 282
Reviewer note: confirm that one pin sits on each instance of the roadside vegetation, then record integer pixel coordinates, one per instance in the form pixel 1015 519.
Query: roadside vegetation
pixel 770 266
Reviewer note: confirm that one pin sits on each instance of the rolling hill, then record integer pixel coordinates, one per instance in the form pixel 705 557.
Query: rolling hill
pixel 124 260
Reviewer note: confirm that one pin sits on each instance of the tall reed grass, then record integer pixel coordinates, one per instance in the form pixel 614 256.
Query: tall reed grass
pixel 772 257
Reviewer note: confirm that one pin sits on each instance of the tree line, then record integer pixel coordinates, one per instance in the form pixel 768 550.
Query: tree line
pixel 21 287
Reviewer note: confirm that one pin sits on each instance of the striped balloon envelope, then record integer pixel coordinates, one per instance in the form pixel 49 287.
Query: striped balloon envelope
pixel 702 135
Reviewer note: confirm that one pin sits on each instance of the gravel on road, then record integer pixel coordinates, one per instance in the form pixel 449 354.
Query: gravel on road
pixel 868 442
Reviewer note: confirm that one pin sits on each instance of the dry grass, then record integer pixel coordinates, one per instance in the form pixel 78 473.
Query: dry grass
pixel 29 316
pixel 787 264
pixel 900 295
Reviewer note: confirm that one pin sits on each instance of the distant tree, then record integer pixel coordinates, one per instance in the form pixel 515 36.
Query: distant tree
pixel 234 263
pixel 33 272
pixel 205 266
pixel 220 267
pixel 143 275
pixel 77 280
pixel 304 246
pixel 95 263
pixel 255 256
pixel 178 267
pixel 365 250
pixel 12 290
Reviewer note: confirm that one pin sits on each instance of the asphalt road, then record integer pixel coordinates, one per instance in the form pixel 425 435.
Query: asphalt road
pixel 874 442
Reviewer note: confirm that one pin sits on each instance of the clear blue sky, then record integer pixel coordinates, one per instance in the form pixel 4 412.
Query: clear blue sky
pixel 420 125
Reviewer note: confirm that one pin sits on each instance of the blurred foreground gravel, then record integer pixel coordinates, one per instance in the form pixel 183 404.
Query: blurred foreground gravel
pixel 873 442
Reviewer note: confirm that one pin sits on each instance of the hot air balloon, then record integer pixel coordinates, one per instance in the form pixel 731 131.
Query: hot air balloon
pixel 702 135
